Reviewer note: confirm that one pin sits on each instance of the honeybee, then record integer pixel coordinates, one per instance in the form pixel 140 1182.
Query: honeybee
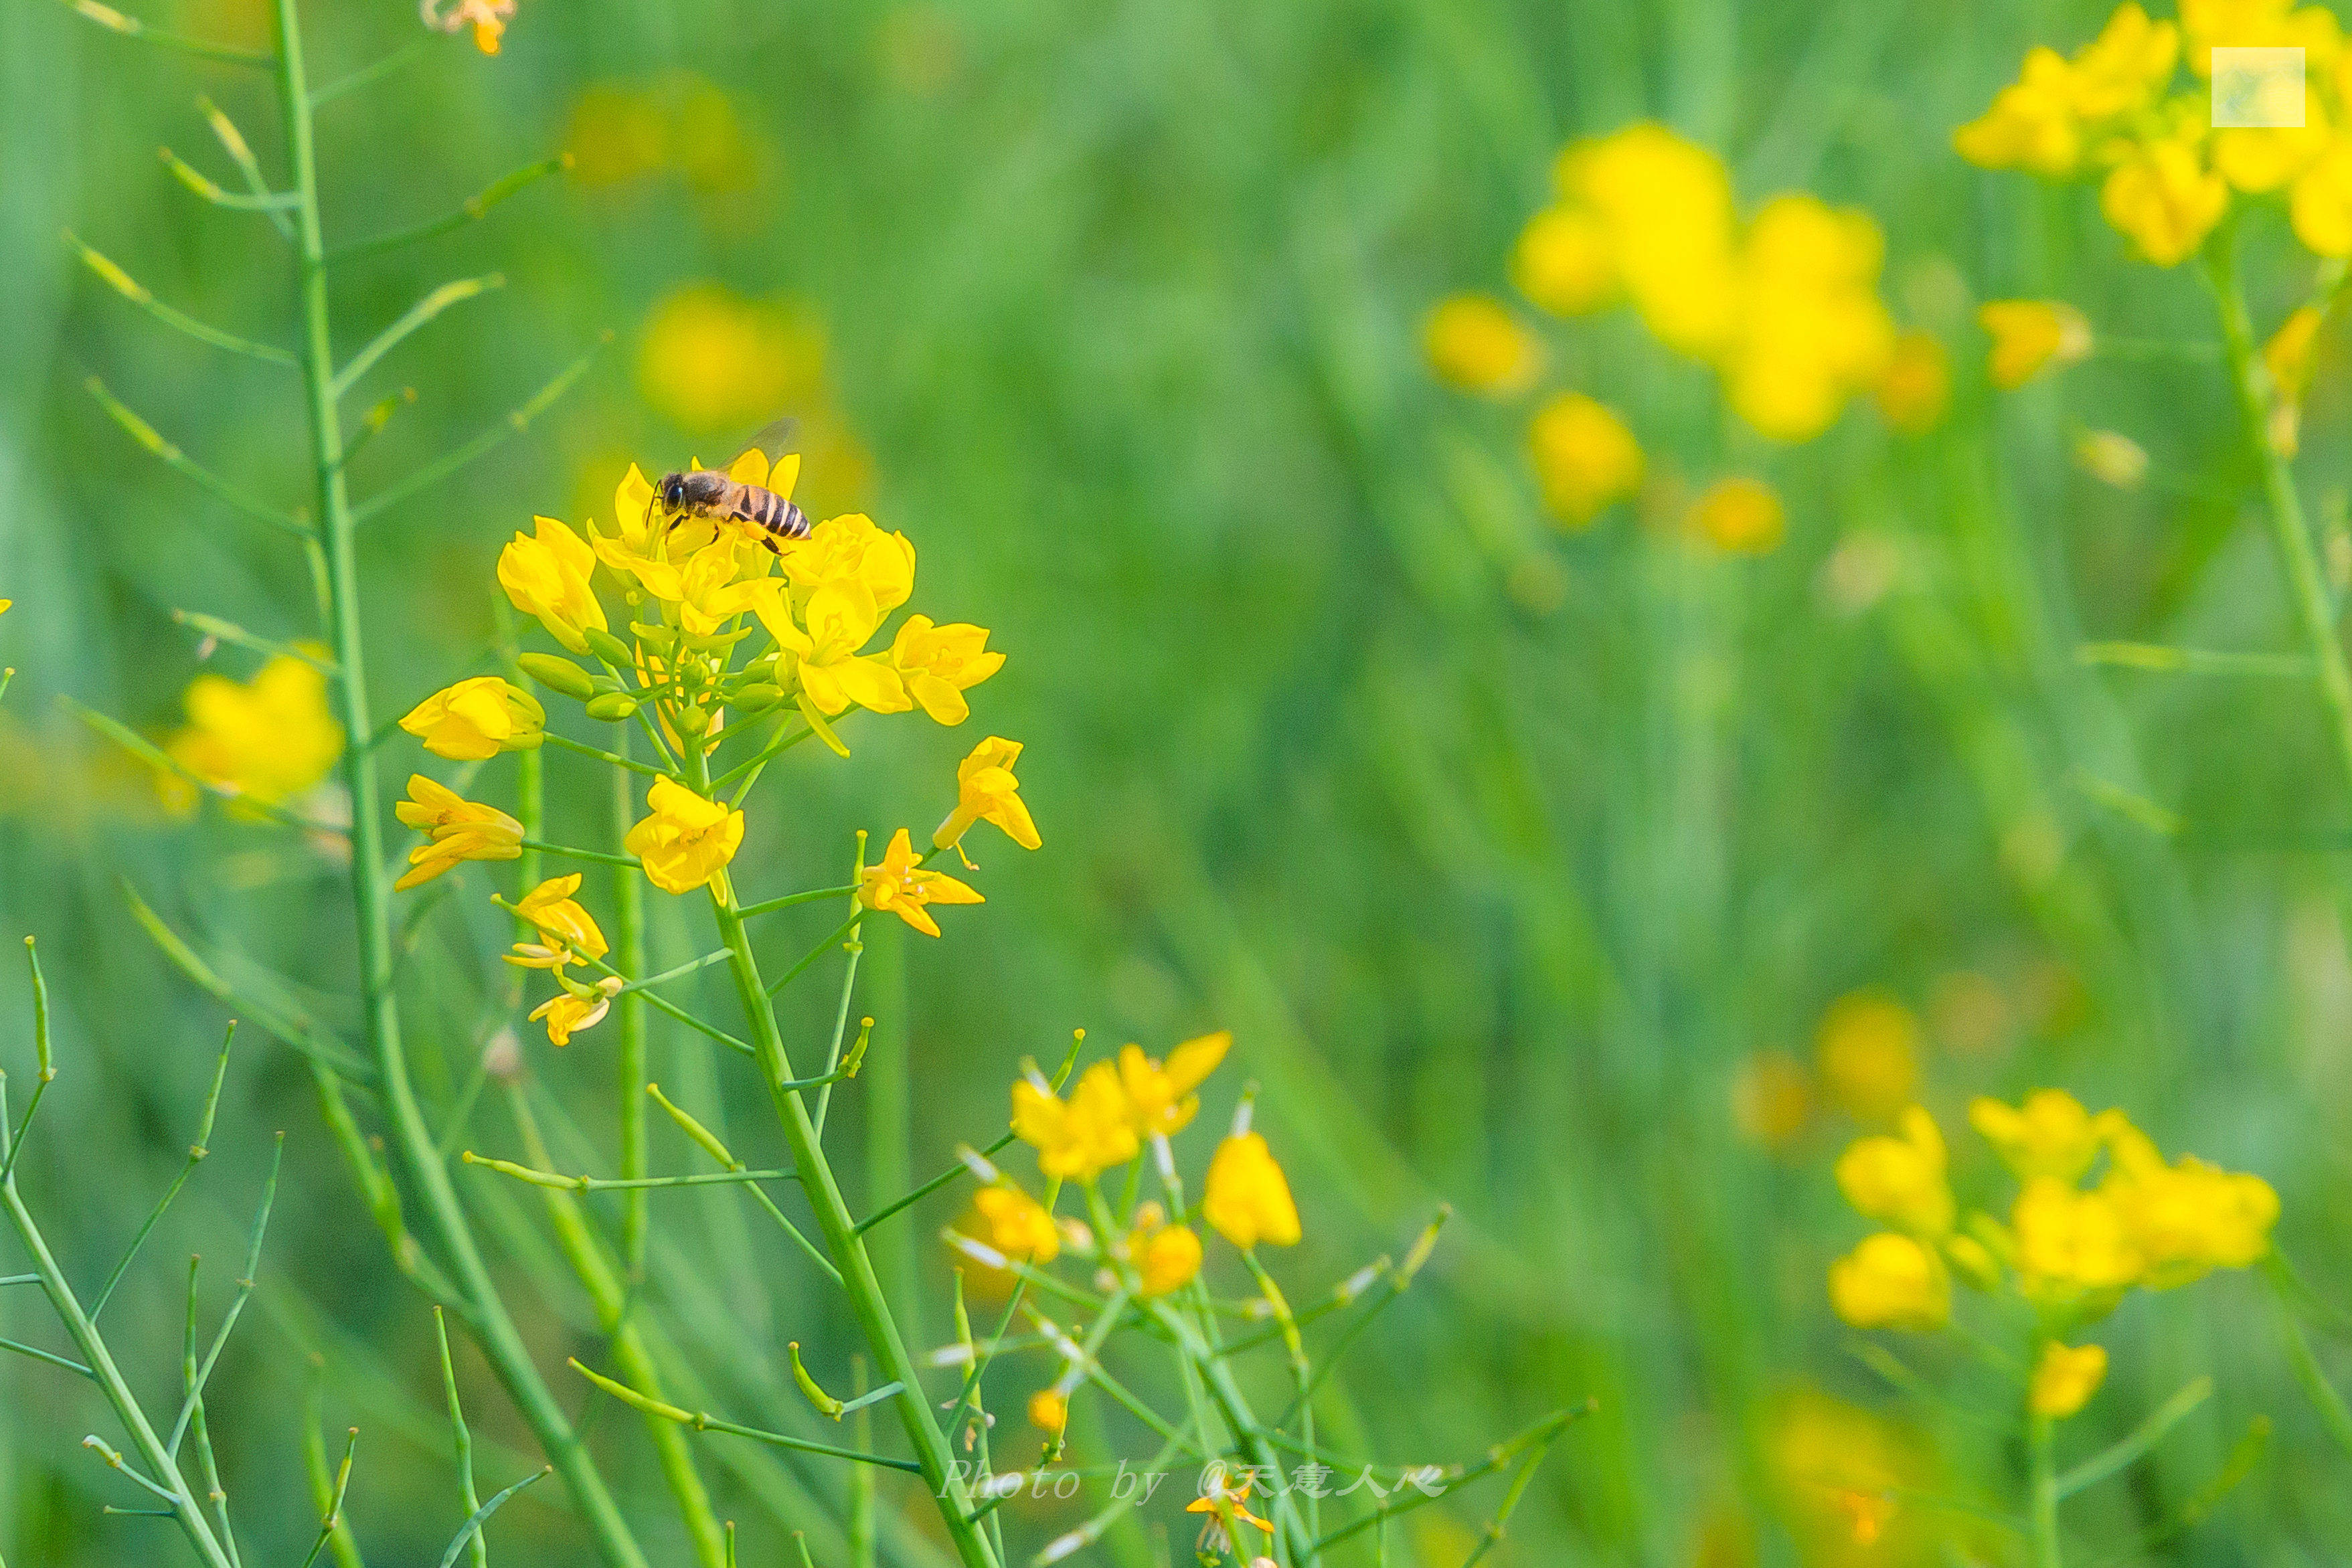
pixel 709 493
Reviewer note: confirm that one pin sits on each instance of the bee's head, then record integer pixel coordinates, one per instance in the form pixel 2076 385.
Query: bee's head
pixel 673 492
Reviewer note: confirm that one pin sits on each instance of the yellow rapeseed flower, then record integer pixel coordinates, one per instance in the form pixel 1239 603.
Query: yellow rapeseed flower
pixel 1562 262
pixel 457 830
pixel 2032 123
pixel 2066 1378
pixel 986 791
pixel 825 657
pixel 852 549
pixel 1584 456
pixel 546 576
pixel 566 924
pixel 1867 1047
pixel 1168 1258
pixel 477 718
pixel 714 361
pixel 1018 1226
pixel 1248 1199
pixel 1915 387
pixel 1900 1179
pixel 1740 516
pixel 687 841
pixel 2164 198
pixel 2050 1134
pixel 486 18
pixel 1474 342
pixel 2125 68
pixel 1079 1138
pixel 1811 331
pixel 1665 204
pixel 1891 1281
pixel 2188 1217
pixel 268 740
pixel 1049 1410
pixel 568 1012
pixel 2029 335
pixel 2070 1245
pixel 1160 1095
pixel 940 663
pixel 897 885
pixel 2320 204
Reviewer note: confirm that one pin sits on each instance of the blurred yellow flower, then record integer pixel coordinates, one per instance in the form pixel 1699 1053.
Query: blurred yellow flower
pixel 2031 124
pixel 687 841
pixel 2112 458
pixel 1585 458
pixel 1248 1200
pixel 2123 70
pixel 1740 516
pixel 268 740
pixel 488 19
pixel 2050 1134
pixel 2258 159
pixel 569 928
pixel 477 718
pixel 1049 1410
pixel 1900 1179
pixel 1562 262
pixel 1867 1049
pixel 2164 199
pixel 1811 331
pixel 568 1012
pixel 940 663
pixel 986 791
pixel 1915 388
pixel 1167 1259
pixel 2186 1217
pixel 2066 1378
pixel 2030 334
pixel 1160 1095
pixel 1665 203
pixel 457 830
pixel 1079 1138
pixel 2320 205
pixel 897 885
pixel 2070 1244
pixel 1474 342
pixel 546 576
pixel 2288 358
pixel 713 361
pixel 1891 1281
pixel 1017 1225
pixel 1771 1098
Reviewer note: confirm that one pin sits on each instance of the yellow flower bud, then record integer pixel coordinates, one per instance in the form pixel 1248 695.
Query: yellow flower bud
pixel 2066 1378
pixel 1168 1258
pixel 546 576
pixel 1474 342
pixel 1248 1199
pixel 2031 334
pixel 1585 458
pixel 1740 516
pixel 1891 1281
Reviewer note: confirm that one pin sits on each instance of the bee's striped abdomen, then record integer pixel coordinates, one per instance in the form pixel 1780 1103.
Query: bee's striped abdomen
pixel 771 512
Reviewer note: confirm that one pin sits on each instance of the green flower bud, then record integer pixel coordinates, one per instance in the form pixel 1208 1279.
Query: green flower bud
pixel 558 675
pixel 612 707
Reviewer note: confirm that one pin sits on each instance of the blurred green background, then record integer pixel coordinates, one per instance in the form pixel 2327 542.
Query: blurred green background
pixel 1505 853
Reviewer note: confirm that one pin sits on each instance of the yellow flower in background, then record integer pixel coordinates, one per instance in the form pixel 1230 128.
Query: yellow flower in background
pixel 2070 1244
pixel 546 576
pixel 1867 1049
pixel 1167 1259
pixel 1585 458
pixel 2066 1378
pixel 940 663
pixel 6 605
pixel 2029 335
pixel 986 791
pixel 686 840
pixel 2124 70
pixel 2189 1217
pixel 2050 1134
pixel 2032 123
pixel 1810 329
pixel 477 718
pixel 486 18
pixel 2112 458
pixel 1563 263
pixel 712 361
pixel 1665 202
pixel 1899 1178
pixel 1160 1095
pixel 457 830
pixel 2288 358
pixel 2164 199
pixel 1739 516
pixel 568 927
pixel 1049 1410
pixel 1891 1281
pixel 568 1012
pixel 897 885
pixel 1771 1098
pixel 1079 1138
pixel 2320 205
pixel 270 740
pixel 1474 342
pixel 2258 159
pixel 1017 1225
pixel 1915 388
pixel 1248 1199
pixel 2254 23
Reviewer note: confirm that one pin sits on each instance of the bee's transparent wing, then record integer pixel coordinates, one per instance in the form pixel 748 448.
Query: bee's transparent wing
pixel 774 440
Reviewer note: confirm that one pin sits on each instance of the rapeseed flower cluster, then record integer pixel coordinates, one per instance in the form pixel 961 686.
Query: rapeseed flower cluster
pixel 2132 110
pixel 697 633
pixel 2098 1212
pixel 267 740
pixel 1783 305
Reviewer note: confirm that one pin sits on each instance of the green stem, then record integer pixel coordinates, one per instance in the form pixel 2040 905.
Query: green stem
pixel 848 1248
pixel 629 947
pixel 2306 586
pixel 410 1139
pixel 2041 1436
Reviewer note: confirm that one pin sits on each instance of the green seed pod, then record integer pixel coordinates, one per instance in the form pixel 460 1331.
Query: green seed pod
pixel 758 695
pixel 612 707
pixel 609 648
pixel 558 675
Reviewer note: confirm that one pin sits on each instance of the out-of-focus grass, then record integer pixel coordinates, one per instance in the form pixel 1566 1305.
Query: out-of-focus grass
pixel 1497 885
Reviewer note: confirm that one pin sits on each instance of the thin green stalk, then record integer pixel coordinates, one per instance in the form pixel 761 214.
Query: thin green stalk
pixel 629 1016
pixel 2306 586
pixel 410 1139
pixel 848 1248
pixel 2042 1447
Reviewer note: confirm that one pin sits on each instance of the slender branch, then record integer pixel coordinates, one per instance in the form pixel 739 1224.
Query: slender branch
pixel 516 421
pixel 229 632
pixel 2120 1456
pixel 114 21
pixel 790 899
pixel 472 1529
pixel 454 292
pixel 617 1184
pixel 236 1303
pixel 197 182
pixel 130 289
pixel 461 1438
pixel 472 210
pixel 375 71
pixel 613 759
pixel 240 153
pixel 703 1422
pixel 197 1153
pixel 187 467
